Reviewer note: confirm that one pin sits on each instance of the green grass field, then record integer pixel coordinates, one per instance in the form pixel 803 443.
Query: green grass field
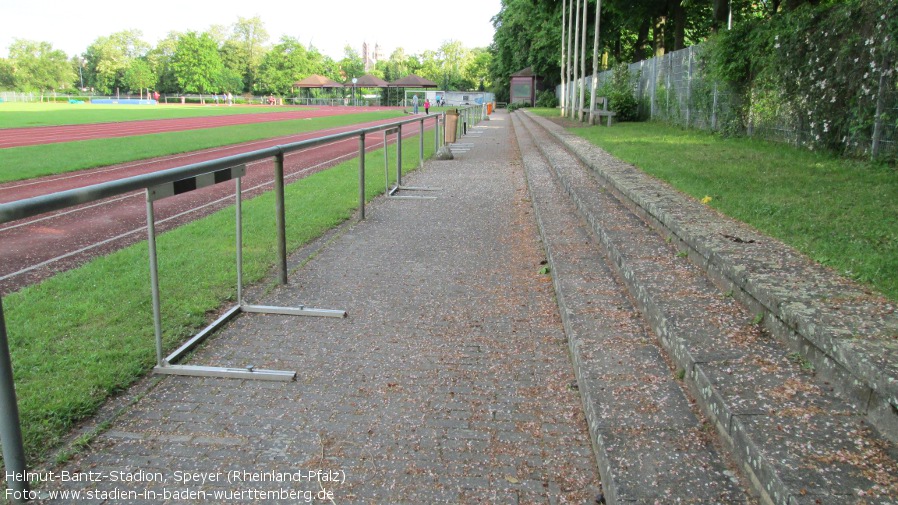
pixel 21 115
pixel 19 163
pixel 842 213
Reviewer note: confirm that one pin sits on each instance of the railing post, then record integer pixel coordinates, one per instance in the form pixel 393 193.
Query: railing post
pixel 436 135
pixel 280 217
pixel 154 280
pixel 10 427
pixel 399 157
pixel 362 175
pixel 421 146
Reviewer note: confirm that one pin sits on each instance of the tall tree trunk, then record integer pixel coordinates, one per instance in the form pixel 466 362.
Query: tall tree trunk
pixel 595 64
pixel 576 58
pixel 721 10
pixel 563 62
pixel 583 64
pixel 642 40
pixel 570 32
pixel 659 35
pixel 678 13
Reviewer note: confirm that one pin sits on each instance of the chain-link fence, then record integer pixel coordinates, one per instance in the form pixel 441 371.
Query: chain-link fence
pixel 674 88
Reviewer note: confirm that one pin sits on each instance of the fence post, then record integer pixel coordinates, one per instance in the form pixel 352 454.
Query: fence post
pixel 654 85
pixel 880 105
pixel 421 146
pixel 10 427
pixel 689 88
pixel 399 156
pixel 436 130
pixel 280 217
pixel 362 175
pixel 667 79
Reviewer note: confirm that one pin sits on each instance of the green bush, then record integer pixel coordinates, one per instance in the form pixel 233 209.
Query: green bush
pixel 546 98
pixel 821 66
pixel 620 90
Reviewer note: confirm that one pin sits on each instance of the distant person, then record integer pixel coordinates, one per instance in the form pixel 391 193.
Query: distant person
pixel 216 98
pixel 230 98
pixel 156 96
pixel 427 106
pixel 415 103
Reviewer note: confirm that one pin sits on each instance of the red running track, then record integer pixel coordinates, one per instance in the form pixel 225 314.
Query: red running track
pixel 18 137
pixel 36 248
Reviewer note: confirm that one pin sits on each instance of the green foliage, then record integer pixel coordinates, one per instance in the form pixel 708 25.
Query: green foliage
pixel 197 64
pixel 36 66
pixel 287 62
pixel 249 37
pixel 517 105
pixel 546 98
pixel 139 76
pixel 620 91
pixel 352 64
pixel 108 58
pixel 821 66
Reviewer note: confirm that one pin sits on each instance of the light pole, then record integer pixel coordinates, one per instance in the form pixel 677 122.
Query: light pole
pixel 80 74
pixel 354 101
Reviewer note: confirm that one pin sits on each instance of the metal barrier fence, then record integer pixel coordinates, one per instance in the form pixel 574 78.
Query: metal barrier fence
pixel 468 117
pixel 10 428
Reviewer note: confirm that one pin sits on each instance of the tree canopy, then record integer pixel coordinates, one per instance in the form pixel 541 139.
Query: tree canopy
pixel 528 32
pixel 36 66
pixel 235 58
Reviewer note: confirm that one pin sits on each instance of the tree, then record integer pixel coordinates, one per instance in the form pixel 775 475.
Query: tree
pixel 160 60
pixel 249 37
pixel 229 81
pixel 108 58
pixel 396 67
pixel 196 63
pixel 286 62
pixel 477 69
pixel 351 65
pixel 6 77
pixel 36 66
pixel 140 75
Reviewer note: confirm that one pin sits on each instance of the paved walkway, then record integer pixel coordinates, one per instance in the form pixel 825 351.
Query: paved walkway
pixel 449 382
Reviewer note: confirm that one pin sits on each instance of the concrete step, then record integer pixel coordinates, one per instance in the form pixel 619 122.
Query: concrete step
pixel 651 445
pixel 797 438
pixel 847 333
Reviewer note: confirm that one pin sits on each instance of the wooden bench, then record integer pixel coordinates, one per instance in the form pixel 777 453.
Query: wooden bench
pixel 599 113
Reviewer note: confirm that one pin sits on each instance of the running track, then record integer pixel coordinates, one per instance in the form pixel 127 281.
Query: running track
pixel 37 248
pixel 18 137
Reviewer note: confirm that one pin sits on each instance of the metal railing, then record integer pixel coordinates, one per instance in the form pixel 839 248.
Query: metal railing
pixel 10 427
pixel 468 117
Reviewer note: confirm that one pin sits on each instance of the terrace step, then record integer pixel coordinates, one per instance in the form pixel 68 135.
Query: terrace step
pixel 796 437
pixel 649 440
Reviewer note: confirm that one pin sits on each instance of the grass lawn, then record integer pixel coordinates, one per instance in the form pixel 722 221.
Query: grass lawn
pixel 27 162
pixel 842 213
pixel 21 115
pixel 87 333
